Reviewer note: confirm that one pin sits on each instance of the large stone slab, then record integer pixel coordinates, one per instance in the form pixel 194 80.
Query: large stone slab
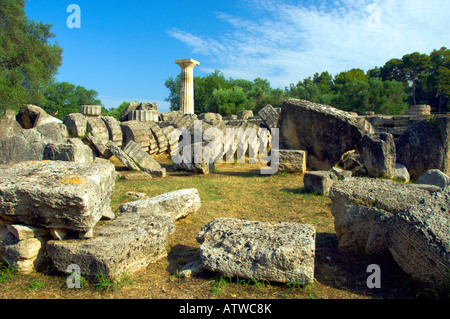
pixel 123 245
pixel 56 194
pixel 424 146
pixel 363 209
pixel 324 132
pixel 27 145
pixel 419 239
pixel 177 204
pixel 122 156
pixel 269 116
pixel 281 252
pixel 76 124
pixel 378 155
pixel 8 124
pixel 73 150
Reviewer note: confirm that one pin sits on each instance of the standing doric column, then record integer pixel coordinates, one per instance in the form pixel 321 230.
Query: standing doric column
pixel 187 85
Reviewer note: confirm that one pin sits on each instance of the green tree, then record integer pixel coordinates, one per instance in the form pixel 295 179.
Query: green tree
pixel 415 67
pixel 64 98
pixel 393 70
pixel 229 101
pixel 28 61
pixel 117 111
pixel 439 79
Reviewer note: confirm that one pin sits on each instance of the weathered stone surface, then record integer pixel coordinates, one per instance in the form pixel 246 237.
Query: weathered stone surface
pixel 424 146
pixel 419 239
pixel 22 232
pixel 170 116
pixel 32 116
pixel 114 130
pixel 269 116
pixel 194 158
pixel 324 132
pixel 72 151
pixel 122 156
pixel 97 127
pixel 363 209
pixel 319 182
pixel 8 125
pixel 160 137
pixel 378 155
pixel 55 194
pixel 98 144
pixel 291 161
pixel 245 114
pixel 76 124
pixel 123 245
pixel 131 107
pixel 281 252
pixel 138 132
pixel 23 247
pixel 434 177
pixel 28 145
pixel 143 116
pixel 341 173
pixel 140 157
pixel 176 204
pixel 91 110
pixel 401 173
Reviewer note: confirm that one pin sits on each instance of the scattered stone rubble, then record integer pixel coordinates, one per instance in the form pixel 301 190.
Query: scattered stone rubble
pixel 55 188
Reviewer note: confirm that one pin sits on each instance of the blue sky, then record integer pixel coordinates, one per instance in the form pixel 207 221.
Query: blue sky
pixel 125 50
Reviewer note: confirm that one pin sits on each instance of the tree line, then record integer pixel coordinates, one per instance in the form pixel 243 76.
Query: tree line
pixel 414 79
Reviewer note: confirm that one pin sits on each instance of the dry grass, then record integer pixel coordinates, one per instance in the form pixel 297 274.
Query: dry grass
pixel 238 191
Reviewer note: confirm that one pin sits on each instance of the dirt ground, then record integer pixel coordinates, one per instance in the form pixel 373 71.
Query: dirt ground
pixel 238 191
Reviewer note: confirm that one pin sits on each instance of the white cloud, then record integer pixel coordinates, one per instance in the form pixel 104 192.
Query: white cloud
pixel 286 42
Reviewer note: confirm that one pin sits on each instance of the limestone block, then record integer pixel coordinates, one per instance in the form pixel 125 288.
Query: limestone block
pixel 324 132
pixel 245 114
pixel 96 126
pixel 70 151
pixel 23 247
pixel 291 161
pixel 319 182
pixel 280 252
pixel 434 177
pixel 136 131
pixel 56 194
pixel 378 155
pixel 177 204
pixel 123 245
pixel 114 130
pixel 363 209
pixel 143 115
pixel 8 125
pixel 122 156
pixel 140 157
pixel 419 239
pixel 98 144
pixel 91 110
pixel 76 124
pixel 269 116
pixel 401 173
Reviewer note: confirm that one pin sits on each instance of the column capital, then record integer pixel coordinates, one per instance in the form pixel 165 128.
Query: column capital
pixel 186 63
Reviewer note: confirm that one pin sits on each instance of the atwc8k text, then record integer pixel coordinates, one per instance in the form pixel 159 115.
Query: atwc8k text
pixel 232 308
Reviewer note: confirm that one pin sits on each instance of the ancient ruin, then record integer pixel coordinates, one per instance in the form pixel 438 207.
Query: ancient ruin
pixel 57 179
pixel 187 85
